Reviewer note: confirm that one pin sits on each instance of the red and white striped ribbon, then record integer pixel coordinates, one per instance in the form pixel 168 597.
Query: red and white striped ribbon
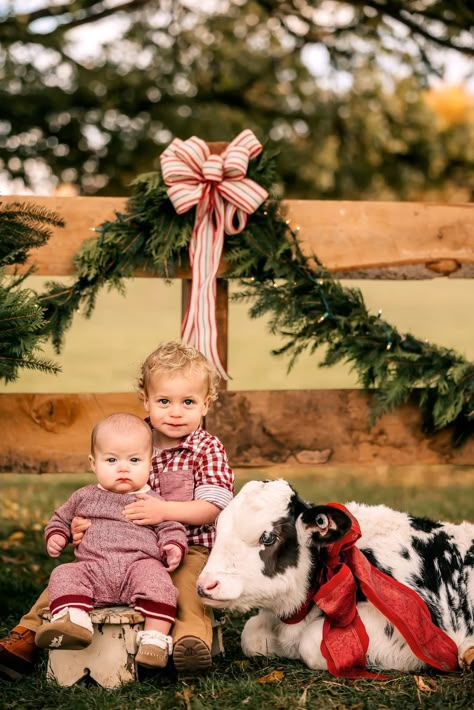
pixel 224 197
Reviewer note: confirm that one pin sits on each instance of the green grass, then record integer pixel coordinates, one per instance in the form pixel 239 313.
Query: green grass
pixel 235 682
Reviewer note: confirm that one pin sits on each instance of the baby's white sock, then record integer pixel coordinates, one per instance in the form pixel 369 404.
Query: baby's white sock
pixel 77 616
pixel 155 638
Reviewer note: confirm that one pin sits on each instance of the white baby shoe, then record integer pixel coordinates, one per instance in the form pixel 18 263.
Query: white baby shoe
pixel 69 630
pixel 154 649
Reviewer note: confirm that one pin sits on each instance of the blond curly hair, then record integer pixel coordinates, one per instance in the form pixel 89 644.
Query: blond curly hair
pixel 173 357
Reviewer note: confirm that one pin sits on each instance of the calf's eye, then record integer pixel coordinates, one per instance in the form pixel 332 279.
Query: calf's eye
pixel 322 520
pixel 267 538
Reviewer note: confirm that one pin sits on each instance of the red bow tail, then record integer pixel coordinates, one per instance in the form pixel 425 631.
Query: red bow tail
pixel 407 611
pixel 345 641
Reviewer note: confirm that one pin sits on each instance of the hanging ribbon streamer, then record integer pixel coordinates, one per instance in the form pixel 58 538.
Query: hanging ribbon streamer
pixel 224 198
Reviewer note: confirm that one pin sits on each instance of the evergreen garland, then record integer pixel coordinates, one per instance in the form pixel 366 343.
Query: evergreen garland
pixel 307 306
pixel 22 322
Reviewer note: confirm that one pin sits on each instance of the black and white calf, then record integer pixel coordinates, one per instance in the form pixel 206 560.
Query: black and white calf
pixel 270 551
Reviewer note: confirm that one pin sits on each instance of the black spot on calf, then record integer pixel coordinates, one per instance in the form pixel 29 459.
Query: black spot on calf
pixel 388 630
pixel 374 561
pixel 423 524
pixel 439 561
pixel 284 552
pixel 440 568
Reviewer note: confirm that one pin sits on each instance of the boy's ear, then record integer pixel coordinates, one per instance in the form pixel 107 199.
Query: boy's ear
pixel 326 524
pixel 146 403
pixel 92 462
pixel 207 404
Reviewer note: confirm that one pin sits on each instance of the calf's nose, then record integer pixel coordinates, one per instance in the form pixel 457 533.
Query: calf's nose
pixel 206 585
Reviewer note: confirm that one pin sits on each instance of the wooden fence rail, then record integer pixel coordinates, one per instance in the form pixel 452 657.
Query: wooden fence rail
pixel 50 433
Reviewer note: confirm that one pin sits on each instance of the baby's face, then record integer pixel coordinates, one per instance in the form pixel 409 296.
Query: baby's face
pixel 122 461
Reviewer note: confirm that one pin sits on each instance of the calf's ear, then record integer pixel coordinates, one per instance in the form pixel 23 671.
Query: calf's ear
pixel 325 523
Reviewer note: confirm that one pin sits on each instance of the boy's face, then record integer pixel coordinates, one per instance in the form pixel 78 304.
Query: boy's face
pixel 121 460
pixel 176 404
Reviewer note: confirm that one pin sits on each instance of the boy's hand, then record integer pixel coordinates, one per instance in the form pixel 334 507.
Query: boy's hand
pixel 146 510
pixel 173 556
pixel 78 528
pixel 55 545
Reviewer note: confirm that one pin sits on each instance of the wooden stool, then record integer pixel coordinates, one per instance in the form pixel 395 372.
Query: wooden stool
pixel 110 658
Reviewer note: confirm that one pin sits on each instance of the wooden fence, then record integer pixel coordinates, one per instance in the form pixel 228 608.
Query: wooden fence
pixel 50 433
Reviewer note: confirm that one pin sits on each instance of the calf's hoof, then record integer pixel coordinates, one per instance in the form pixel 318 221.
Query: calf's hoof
pixel 466 659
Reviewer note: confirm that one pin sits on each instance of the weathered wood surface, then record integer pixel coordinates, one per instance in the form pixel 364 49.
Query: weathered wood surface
pixel 350 236
pixel 51 433
pixel 418 240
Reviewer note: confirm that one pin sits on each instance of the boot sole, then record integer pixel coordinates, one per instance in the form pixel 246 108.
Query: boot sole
pixel 190 655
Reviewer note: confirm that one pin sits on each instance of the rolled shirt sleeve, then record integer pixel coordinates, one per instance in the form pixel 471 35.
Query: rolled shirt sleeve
pixel 214 478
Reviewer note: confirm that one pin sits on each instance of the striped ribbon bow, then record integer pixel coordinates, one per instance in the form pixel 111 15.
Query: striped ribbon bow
pixel 224 197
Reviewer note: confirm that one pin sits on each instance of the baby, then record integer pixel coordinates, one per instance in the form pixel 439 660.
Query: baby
pixel 118 562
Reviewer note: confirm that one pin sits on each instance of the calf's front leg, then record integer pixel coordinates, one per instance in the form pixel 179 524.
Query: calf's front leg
pixel 310 645
pixel 466 654
pixel 258 635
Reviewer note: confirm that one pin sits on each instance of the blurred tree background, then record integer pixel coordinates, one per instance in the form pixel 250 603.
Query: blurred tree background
pixel 93 90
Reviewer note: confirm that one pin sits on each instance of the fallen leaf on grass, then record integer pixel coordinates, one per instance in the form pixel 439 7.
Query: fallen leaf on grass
pixel 272 677
pixel 17 535
pixel 10 504
pixel 428 686
pixel 186 696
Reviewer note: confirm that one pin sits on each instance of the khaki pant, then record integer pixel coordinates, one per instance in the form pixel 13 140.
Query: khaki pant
pixel 193 618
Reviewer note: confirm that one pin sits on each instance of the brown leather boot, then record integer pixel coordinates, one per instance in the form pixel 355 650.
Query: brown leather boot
pixel 18 653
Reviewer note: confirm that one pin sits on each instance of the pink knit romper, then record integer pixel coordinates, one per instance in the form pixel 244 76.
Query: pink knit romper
pixel 118 562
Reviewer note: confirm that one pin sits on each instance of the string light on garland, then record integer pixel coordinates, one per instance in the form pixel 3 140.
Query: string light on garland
pixel 305 305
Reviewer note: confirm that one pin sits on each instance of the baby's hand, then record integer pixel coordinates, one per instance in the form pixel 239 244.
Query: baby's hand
pixel 146 510
pixel 78 528
pixel 55 544
pixel 173 556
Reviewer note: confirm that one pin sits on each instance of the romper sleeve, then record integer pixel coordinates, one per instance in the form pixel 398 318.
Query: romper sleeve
pixel 60 521
pixel 171 532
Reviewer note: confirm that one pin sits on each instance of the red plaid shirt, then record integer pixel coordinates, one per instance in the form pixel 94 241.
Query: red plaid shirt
pixel 195 469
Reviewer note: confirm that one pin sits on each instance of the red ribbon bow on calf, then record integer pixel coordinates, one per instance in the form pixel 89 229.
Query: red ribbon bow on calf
pixel 224 197
pixel 345 640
